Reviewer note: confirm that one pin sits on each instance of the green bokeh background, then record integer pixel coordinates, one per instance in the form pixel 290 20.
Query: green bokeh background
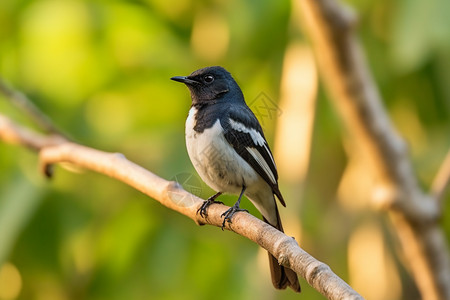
pixel 100 70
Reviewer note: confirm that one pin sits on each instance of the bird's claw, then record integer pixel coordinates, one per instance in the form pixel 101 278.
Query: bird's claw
pixel 203 209
pixel 230 213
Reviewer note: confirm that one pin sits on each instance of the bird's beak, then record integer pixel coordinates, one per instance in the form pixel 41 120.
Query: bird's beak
pixel 185 80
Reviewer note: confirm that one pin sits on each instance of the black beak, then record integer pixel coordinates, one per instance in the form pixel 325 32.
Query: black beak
pixel 185 80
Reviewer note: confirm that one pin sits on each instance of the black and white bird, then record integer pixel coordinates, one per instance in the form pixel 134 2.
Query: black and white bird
pixel 227 147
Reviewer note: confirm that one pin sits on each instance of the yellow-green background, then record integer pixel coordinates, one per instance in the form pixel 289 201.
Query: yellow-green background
pixel 100 70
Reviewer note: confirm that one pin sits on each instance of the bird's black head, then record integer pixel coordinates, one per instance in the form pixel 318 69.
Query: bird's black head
pixel 210 84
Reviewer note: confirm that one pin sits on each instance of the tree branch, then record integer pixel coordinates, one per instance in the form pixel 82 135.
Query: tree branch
pixel 14 134
pixel 413 213
pixel 54 150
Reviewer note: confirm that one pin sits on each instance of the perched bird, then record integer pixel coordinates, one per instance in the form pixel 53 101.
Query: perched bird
pixel 227 147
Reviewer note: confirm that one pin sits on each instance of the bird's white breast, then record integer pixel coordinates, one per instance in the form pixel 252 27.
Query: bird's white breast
pixel 215 160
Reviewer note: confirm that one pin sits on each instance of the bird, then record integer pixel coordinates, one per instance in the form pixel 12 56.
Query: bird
pixel 228 149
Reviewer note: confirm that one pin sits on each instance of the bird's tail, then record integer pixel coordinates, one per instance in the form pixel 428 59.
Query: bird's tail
pixel 282 277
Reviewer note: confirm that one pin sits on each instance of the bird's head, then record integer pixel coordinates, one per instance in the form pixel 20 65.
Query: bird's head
pixel 210 84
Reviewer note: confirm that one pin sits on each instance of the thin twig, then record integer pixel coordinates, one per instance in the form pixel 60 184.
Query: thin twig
pixel 173 196
pixel 22 102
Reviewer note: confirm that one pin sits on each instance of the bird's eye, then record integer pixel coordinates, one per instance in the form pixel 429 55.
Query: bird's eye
pixel 208 78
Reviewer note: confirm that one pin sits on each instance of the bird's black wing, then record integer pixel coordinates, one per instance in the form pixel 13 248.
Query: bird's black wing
pixel 243 131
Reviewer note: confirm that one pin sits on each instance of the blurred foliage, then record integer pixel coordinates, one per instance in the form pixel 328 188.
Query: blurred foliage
pixel 100 69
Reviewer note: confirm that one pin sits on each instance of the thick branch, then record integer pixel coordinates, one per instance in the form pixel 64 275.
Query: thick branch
pixel 173 196
pixel 413 213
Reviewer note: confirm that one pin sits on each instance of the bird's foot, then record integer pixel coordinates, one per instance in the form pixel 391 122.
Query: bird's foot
pixel 203 209
pixel 230 213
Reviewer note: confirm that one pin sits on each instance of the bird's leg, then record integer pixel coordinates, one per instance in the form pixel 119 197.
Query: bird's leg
pixel 234 209
pixel 207 203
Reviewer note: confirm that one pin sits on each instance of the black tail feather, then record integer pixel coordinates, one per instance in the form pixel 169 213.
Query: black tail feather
pixel 282 277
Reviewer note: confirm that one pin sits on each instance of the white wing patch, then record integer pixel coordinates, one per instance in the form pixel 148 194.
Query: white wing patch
pixel 255 135
pixel 270 154
pixel 261 161
pixel 258 140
